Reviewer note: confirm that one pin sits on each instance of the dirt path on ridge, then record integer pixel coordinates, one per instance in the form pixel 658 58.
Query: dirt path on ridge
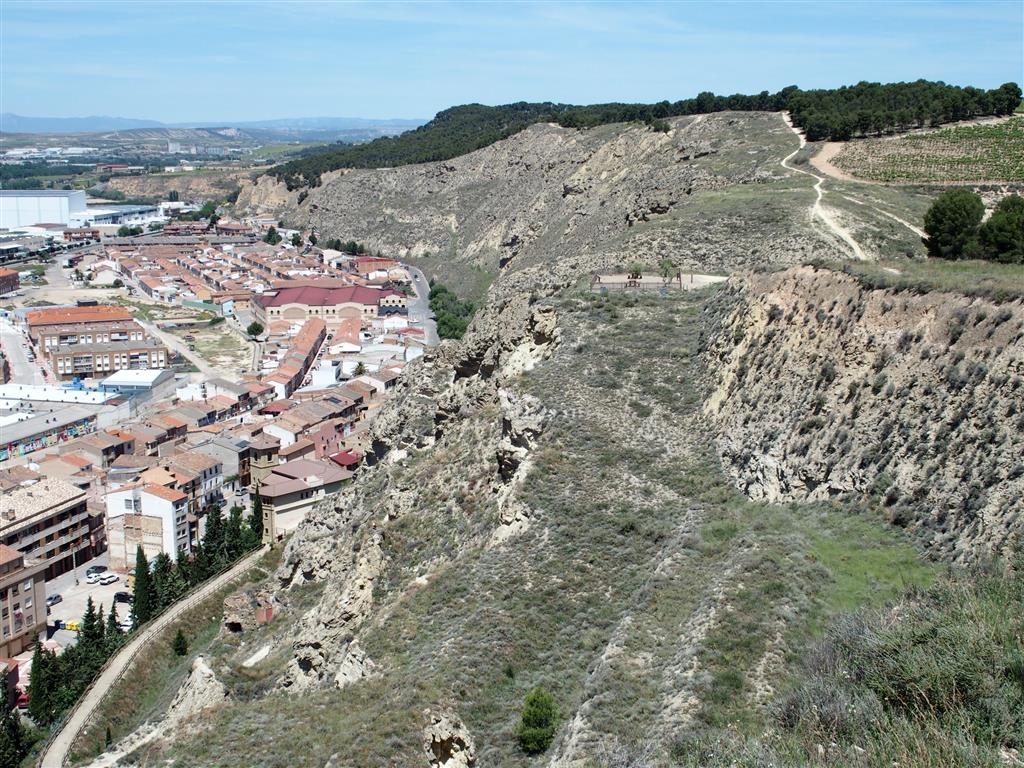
pixel 817 209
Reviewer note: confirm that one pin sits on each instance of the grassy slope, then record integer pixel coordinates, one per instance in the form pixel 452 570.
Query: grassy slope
pixel 634 539
pixel 152 682
pixel 1000 282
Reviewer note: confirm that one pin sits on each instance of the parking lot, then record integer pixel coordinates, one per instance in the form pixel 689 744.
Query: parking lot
pixel 74 596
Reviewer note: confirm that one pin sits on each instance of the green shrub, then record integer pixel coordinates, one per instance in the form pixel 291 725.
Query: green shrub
pixel 180 644
pixel 539 720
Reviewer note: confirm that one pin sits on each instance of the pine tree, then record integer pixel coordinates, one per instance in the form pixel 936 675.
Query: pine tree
pixel 538 723
pixel 144 601
pixel 201 567
pixel 12 739
pixel 256 519
pixel 233 541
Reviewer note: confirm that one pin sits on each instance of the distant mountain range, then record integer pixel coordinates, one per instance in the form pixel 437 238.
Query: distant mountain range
pixel 12 123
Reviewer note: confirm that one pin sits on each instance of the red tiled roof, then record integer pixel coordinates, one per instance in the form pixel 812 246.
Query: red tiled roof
pixel 277 406
pixel 324 297
pixel 164 493
pixel 345 458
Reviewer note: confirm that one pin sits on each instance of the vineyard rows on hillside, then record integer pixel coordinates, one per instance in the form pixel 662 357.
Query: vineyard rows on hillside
pixel 973 153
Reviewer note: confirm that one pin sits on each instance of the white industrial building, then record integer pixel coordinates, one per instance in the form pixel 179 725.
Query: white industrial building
pixel 25 207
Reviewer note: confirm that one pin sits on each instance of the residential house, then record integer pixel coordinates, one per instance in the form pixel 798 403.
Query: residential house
pixel 291 490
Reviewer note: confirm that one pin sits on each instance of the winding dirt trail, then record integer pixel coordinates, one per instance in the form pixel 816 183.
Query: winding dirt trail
pixel 817 209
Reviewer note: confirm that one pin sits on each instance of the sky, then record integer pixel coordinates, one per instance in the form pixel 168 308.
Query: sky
pixel 191 60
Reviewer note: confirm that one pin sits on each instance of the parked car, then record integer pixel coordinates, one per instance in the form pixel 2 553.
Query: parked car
pixel 126 623
pixel 123 597
pixel 95 569
pixel 53 599
pixel 92 578
pixel 23 700
pixel 109 578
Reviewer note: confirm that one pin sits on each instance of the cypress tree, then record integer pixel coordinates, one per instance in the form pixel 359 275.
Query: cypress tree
pixel 233 541
pixel 144 602
pixel 90 633
pixel 256 520
pixel 162 567
pixel 112 636
pixel 12 739
pixel 41 693
pixel 214 538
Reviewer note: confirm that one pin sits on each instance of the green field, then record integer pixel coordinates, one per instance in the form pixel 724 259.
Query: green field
pixel 969 153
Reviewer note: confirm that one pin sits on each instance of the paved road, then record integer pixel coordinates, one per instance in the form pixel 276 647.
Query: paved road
pixel 419 307
pixel 14 347
pixel 58 750
pixel 55 276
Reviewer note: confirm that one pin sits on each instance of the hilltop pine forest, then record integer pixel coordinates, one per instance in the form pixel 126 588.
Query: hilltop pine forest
pixel 835 114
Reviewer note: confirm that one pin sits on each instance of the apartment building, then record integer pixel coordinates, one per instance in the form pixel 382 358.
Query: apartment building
pixel 86 360
pixel 48 521
pixel 152 516
pixel 64 326
pixel 22 602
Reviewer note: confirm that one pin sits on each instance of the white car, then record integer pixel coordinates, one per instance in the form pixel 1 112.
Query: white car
pixel 108 578
pixel 93 578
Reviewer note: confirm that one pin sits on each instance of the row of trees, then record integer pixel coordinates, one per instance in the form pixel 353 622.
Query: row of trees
pixel 834 113
pixel 159 584
pixel 452 313
pixel 350 246
pixel 58 681
pixel 955 230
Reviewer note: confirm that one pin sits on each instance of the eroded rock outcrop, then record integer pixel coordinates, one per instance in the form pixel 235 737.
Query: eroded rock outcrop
pixel 821 387
pixel 447 741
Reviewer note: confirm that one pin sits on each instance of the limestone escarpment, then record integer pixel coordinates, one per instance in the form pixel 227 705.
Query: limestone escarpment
pixel 822 387
pixel 452 441
pixel 605 196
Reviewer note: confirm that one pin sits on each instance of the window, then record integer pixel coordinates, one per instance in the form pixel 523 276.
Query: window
pixel 128 504
pixel 28 602
pixel 27 586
